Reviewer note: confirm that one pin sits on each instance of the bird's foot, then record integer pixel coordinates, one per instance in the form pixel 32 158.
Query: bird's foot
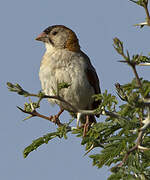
pixel 55 118
pixel 78 119
pixel 86 126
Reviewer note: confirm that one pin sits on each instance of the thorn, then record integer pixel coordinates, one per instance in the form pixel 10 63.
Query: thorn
pixel 73 128
pixel 90 149
pixel 144 64
pixel 146 121
pixel 20 109
pixel 123 61
pixel 28 117
pixel 128 55
pixel 142 24
pixel 31 103
pixel 143 148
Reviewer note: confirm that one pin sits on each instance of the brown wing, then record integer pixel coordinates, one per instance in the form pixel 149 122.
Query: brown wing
pixel 94 82
pixel 93 79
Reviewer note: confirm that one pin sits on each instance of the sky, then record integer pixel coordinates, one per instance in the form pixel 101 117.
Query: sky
pixel 96 23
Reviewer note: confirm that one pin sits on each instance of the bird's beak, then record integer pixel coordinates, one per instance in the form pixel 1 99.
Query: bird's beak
pixel 42 37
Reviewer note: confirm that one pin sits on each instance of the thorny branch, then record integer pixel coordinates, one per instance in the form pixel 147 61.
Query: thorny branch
pixel 35 113
pixel 137 146
pixel 17 88
pixel 144 4
pixel 118 45
pixel 136 75
pixel 133 66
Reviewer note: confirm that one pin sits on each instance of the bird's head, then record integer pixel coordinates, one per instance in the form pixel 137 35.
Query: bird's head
pixel 60 37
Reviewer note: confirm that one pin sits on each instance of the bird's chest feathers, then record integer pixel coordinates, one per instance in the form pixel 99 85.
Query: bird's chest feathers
pixel 68 67
pixel 55 64
pixel 56 67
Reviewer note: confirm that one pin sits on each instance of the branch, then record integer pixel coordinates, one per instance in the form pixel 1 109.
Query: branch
pixel 133 66
pixel 137 146
pixel 35 113
pixel 31 108
pixel 144 4
pixel 86 112
pixel 139 139
pixel 118 45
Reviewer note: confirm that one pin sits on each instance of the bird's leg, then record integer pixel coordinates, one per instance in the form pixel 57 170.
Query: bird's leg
pixel 78 119
pixel 55 117
pixel 86 126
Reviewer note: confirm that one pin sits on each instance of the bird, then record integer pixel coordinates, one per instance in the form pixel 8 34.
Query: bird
pixel 65 62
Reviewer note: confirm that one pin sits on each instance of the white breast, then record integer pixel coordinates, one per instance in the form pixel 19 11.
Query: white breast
pixel 66 66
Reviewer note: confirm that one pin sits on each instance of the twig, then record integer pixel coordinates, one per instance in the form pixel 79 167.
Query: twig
pixel 133 65
pixel 136 75
pixel 118 45
pixel 137 146
pixel 17 88
pixel 144 4
pixel 74 109
pixel 86 112
pixel 35 113
pixel 126 156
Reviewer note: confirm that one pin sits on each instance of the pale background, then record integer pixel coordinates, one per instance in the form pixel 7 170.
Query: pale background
pixel 96 24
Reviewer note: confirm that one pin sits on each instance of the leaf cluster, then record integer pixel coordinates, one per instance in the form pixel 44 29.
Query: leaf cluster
pixel 60 133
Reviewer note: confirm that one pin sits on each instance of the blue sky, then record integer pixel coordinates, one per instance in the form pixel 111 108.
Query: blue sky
pixel 96 23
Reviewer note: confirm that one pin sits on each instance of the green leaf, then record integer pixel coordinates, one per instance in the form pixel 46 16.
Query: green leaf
pixel 38 142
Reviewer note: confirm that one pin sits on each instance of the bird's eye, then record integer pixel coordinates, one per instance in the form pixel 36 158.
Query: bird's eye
pixel 54 33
